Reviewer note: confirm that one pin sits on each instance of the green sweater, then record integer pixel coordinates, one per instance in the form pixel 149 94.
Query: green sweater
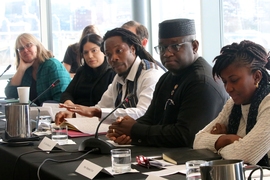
pixel 48 72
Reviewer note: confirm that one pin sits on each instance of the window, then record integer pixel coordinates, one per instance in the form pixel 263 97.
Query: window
pixel 246 20
pixel 163 10
pixel 69 18
pixel 16 17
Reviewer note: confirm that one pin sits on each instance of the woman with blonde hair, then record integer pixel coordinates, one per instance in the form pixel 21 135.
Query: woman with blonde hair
pixel 38 69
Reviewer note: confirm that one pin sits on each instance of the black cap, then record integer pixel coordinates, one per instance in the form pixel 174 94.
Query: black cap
pixel 176 27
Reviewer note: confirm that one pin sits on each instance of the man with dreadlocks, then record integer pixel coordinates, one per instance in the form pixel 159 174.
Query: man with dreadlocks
pixel 142 32
pixel 242 129
pixel 137 74
pixel 186 97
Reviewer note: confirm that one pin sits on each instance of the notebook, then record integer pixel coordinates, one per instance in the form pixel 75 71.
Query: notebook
pixel 184 154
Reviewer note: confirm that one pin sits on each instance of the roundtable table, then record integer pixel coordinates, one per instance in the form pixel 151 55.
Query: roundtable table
pixel 22 162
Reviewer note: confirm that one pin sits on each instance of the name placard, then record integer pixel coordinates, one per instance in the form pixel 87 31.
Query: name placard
pixel 47 144
pixel 88 169
pixel 151 177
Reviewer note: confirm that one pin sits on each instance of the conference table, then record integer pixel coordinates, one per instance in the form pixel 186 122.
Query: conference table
pixel 22 162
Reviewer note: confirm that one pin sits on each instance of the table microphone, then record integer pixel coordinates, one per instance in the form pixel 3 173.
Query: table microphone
pixel 5 70
pixel 103 146
pixel 50 87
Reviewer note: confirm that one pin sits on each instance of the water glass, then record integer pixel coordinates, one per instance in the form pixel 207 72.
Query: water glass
pixel 59 133
pixel 121 160
pixel 193 169
pixel 44 123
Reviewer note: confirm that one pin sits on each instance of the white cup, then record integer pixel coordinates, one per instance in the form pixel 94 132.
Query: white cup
pixel 23 93
pixel 193 169
pixel 121 160
pixel 59 134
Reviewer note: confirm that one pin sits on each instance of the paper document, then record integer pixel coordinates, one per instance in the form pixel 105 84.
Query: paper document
pixel 86 125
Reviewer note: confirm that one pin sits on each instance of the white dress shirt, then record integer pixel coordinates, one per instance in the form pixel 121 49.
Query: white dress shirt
pixel 145 87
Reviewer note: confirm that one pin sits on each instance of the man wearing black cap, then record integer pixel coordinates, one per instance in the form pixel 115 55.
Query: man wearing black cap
pixel 186 98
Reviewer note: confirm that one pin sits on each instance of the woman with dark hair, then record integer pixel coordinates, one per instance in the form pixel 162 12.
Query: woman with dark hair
pixel 92 78
pixel 73 59
pixel 242 129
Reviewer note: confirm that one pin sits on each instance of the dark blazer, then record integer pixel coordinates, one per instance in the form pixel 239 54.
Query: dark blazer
pixel 181 106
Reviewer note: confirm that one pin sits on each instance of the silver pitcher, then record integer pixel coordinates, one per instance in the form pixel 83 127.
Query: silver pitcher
pixel 17 121
pixel 222 170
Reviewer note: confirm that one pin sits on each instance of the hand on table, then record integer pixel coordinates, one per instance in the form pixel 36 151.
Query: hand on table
pixel 61 115
pixel 82 110
pixel 119 131
pixel 225 140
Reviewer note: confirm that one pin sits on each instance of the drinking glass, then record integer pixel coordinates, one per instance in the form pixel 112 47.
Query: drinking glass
pixel 121 160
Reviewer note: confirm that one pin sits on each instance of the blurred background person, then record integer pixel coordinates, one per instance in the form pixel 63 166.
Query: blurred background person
pixel 138 29
pixel 38 69
pixel 92 78
pixel 73 59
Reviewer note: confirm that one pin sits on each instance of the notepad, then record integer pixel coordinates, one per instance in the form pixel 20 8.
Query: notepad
pixel 183 155
pixel 85 125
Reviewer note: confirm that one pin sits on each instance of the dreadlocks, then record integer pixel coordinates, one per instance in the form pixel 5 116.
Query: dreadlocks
pixel 253 55
pixel 247 53
pixel 131 39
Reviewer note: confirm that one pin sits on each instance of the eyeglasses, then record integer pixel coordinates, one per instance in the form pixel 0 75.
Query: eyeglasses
pixel 171 48
pixel 149 162
pixel 27 46
pixel 169 102
pixel 143 161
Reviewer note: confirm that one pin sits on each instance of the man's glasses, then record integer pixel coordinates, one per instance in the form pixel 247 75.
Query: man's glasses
pixel 149 162
pixel 171 48
pixel 27 46
pixel 143 161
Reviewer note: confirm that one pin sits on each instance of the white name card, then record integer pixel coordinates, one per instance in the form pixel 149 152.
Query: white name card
pixel 88 169
pixel 47 144
pixel 151 177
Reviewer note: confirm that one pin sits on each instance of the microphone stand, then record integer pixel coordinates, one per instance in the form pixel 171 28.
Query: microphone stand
pixel 50 87
pixel 5 70
pixel 103 146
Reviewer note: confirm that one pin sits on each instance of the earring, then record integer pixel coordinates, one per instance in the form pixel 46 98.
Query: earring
pixel 257 85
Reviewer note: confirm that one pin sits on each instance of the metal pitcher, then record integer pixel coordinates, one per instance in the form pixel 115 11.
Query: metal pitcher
pixel 17 121
pixel 222 170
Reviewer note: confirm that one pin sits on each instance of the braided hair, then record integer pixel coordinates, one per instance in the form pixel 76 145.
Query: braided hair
pixel 246 53
pixel 131 39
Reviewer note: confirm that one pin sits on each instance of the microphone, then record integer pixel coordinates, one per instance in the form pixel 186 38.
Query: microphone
pixel 103 146
pixel 50 87
pixel 5 70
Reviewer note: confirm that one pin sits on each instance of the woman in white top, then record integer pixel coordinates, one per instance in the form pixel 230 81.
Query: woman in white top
pixel 242 129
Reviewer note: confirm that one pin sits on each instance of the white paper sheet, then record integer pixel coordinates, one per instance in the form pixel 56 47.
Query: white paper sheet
pixel 87 125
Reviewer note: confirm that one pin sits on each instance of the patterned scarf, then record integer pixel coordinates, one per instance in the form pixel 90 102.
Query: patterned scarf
pixel 236 114
pixel 132 86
